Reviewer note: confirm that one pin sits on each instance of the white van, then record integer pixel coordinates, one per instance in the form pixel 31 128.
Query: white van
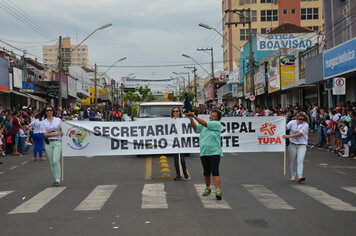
pixel 154 110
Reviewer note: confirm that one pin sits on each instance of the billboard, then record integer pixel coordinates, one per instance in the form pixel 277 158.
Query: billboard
pixel 340 59
pixel 17 76
pixel 300 41
pixel 4 75
pixel 287 69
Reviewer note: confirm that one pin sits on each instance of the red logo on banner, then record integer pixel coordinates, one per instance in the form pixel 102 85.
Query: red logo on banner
pixel 268 129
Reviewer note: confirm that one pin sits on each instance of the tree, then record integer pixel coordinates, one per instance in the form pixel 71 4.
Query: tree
pixel 145 94
pixel 141 94
pixel 132 97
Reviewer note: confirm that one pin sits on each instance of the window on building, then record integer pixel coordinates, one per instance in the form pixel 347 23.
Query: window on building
pixel 244 33
pixel 242 2
pixel 309 0
pixel 293 11
pixel 267 1
pixel 316 28
pixel 225 39
pixel 244 16
pixel 309 13
pixel 285 11
pixel 225 57
pixel 269 15
pixel 265 30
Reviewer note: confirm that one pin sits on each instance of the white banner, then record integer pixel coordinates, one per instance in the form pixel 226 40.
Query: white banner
pixel 166 136
pixel 299 41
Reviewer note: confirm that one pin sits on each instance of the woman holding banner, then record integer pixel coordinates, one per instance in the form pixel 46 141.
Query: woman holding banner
pixel 51 127
pixel 210 148
pixel 179 159
pixel 297 148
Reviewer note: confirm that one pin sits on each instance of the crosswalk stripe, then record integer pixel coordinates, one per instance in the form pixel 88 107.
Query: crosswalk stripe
pixel 267 197
pixel 154 196
pixel 350 189
pixel 326 199
pixel 96 199
pixel 210 201
pixel 37 202
pixel 4 193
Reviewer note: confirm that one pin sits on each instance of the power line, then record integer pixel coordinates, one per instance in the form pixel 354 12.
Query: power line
pixel 24 20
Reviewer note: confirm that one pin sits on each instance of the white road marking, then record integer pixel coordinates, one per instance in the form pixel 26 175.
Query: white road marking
pixel 37 202
pixel 14 167
pixel 324 198
pixel 345 167
pixel 4 193
pixel 340 172
pixel 154 196
pixel 96 199
pixel 24 163
pixel 350 189
pixel 210 201
pixel 2 172
pixel 267 197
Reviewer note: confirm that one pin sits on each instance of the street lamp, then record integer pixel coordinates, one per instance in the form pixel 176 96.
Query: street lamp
pixel 60 58
pixel 95 78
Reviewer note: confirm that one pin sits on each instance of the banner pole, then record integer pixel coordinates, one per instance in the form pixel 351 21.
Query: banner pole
pixel 285 162
pixel 62 169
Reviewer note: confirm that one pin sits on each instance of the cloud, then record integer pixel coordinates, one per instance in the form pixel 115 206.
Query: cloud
pixel 153 31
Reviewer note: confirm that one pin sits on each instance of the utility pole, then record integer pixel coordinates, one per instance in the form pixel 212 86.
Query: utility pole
pixel 247 20
pixel 212 59
pixel 95 87
pixel 195 82
pixel 60 70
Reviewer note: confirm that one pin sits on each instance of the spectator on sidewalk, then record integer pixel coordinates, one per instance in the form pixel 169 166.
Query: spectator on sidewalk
pixel 16 126
pixel 344 129
pixel 321 126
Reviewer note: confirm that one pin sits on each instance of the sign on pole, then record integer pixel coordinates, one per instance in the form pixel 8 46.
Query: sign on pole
pixel 339 86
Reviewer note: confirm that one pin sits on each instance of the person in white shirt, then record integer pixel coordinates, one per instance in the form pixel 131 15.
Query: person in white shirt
pixel 51 127
pixel 298 137
pixel 37 138
pixel 344 129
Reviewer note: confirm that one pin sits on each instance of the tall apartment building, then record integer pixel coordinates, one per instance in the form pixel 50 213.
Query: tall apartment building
pixel 79 57
pixel 266 15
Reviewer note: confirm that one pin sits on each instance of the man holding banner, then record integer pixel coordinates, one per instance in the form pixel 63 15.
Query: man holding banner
pixel 210 148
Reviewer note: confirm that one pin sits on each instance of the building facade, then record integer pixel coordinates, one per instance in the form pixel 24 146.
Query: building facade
pixel 78 57
pixel 265 16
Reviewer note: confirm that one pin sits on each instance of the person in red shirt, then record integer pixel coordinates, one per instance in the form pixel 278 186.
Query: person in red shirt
pixel 15 132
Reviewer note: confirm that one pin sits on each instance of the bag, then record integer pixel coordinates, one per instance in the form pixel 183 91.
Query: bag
pixel 46 140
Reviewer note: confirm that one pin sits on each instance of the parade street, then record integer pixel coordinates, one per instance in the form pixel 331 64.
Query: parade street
pixel 125 195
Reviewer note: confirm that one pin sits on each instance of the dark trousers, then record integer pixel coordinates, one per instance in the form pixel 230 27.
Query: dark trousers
pixel 37 144
pixel 182 162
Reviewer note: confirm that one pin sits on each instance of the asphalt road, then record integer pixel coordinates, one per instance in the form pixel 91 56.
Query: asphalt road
pixel 110 196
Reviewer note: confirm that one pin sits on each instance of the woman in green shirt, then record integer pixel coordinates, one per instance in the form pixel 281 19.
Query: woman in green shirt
pixel 210 148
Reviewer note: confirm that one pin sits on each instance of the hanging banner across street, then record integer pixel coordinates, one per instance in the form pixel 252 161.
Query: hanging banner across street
pixel 167 136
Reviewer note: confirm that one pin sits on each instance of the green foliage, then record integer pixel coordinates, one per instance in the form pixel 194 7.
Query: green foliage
pixel 142 94
pixel 134 110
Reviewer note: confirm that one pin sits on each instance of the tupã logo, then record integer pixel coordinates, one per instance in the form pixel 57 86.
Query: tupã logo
pixel 78 137
pixel 268 130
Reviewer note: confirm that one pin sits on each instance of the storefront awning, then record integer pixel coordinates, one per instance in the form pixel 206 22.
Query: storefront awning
pixel 36 97
pixel 19 93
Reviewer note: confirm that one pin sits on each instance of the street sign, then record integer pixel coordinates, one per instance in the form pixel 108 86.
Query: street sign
pixel 252 98
pixel 339 86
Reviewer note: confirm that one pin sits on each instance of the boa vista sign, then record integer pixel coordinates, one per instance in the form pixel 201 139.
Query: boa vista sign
pixel 167 136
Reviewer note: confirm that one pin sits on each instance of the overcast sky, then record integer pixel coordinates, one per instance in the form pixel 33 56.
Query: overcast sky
pixel 147 32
